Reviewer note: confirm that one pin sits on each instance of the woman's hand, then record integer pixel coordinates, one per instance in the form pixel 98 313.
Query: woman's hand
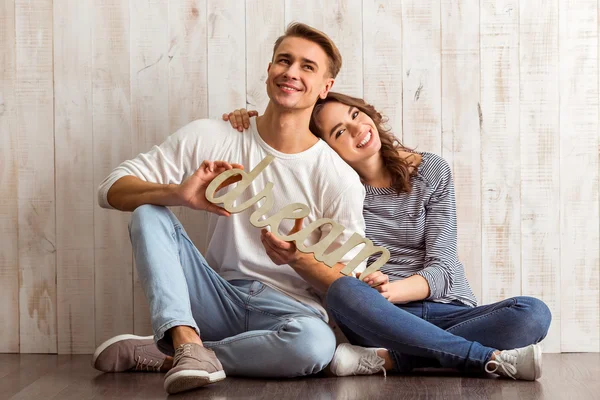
pixel 240 119
pixel 380 282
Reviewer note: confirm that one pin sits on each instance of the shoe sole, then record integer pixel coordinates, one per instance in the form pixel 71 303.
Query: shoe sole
pixel 112 341
pixel 188 380
pixel 537 361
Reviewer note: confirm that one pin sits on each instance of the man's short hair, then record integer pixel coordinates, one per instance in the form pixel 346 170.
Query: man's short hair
pixel 300 30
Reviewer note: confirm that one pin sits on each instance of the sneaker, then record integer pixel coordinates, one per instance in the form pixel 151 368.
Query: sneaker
pixel 355 360
pixel 524 363
pixel 193 366
pixel 128 353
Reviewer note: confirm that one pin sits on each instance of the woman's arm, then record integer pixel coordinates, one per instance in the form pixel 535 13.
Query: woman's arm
pixel 413 288
pixel 441 258
pixel 240 119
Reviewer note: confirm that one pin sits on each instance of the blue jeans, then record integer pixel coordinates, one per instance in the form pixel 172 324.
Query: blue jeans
pixel 253 329
pixel 428 334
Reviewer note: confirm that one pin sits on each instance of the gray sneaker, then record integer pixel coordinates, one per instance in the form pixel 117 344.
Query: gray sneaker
pixel 128 353
pixel 193 366
pixel 524 363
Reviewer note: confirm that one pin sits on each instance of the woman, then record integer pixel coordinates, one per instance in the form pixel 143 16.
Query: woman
pixel 423 312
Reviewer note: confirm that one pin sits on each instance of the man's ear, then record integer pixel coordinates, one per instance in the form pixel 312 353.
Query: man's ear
pixel 328 85
pixel 268 69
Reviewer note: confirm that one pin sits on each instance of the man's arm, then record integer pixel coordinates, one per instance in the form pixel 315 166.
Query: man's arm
pixel 317 274
pixel 130 192
pixel 347 210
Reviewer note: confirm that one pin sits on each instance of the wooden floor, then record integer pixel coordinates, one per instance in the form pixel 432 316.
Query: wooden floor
pixel 565 376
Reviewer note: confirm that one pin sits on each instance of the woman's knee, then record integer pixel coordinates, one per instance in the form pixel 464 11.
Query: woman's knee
pixel 536 317
pixel 348 292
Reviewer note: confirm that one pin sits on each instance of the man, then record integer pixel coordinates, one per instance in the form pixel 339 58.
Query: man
pixel 254 318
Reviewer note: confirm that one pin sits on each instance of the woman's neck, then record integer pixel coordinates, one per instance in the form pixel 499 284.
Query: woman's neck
pixel 373 172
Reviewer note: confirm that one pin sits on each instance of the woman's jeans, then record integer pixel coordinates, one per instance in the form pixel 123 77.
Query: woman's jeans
pixel 253 329
pixel 428 334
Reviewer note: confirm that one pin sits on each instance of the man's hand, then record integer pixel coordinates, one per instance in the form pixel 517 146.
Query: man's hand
pixel 280 251
pixel 380 282
pixel 191 192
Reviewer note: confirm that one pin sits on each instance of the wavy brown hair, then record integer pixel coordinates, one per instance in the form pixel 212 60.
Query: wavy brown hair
pixel 400 169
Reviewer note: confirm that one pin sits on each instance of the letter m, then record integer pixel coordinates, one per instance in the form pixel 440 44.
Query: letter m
pixel 368 250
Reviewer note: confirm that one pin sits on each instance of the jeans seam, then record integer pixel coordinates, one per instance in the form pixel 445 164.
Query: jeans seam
pixel 259 291
pixel 481 316
pixel 339 316
pixel 231 340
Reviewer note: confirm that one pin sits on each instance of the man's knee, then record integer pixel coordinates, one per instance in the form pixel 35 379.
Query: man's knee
pixel 146 216
pixel 312 345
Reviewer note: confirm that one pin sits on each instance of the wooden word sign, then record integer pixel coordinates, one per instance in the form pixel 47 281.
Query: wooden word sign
pixel 296 211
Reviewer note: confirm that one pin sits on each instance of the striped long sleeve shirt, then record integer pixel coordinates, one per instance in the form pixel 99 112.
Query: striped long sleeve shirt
pixel 419 230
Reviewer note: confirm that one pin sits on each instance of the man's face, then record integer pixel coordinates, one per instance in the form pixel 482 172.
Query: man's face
pixel 298 74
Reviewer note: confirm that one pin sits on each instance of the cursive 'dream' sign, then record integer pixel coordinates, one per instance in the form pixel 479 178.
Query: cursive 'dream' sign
pixel 296 211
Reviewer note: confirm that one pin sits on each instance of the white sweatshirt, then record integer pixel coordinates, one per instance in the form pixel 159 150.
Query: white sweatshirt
pixel 317 177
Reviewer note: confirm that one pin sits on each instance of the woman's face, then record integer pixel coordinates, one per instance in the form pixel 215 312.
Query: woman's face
pixel 349 131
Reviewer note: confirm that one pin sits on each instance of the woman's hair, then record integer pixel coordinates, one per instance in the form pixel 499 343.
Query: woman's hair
pixel 399 168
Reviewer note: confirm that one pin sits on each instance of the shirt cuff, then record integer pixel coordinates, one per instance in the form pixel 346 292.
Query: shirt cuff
pixel 438 284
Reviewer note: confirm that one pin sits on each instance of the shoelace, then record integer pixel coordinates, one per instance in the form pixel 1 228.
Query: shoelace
pixel 147 364
pixel 504 364
pixel 370 363
pixel 183 350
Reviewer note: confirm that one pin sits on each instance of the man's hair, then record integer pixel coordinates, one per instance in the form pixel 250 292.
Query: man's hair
pixel 300 30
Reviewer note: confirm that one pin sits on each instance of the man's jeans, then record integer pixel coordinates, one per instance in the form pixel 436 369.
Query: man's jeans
pixel 428 334
pixel 254 330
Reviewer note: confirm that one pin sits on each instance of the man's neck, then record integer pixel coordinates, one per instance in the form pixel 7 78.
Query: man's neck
pixel 286 131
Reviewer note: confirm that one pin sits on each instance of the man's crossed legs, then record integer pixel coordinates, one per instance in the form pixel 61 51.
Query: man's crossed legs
pixel 254 330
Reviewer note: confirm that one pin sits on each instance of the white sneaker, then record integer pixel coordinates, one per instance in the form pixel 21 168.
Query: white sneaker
pixel 524 363
pixel 355 360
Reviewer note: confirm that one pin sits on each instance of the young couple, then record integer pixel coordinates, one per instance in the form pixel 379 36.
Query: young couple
pixel 259 312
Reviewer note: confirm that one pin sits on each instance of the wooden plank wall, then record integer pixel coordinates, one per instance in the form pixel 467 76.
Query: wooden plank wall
pixel 506 91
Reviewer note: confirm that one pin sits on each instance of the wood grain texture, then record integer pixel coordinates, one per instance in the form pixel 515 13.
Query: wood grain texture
pixel 421 68
pixel 539 127
pixel 500 151
pixel 36 194
pixel 506 91
pixel 226 47
pixel 342 21
pixel 65 378
pixel 112 145
pixel 579 236
pixel 382 59
pixel 9 224
pixel 264 24
pixel 75 191
pixel 461 145
pixel 149 105
pixel 188 88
